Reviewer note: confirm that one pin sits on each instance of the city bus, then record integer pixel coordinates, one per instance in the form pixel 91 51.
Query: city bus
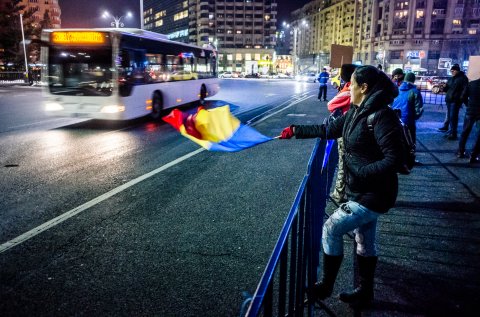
pixel 121 74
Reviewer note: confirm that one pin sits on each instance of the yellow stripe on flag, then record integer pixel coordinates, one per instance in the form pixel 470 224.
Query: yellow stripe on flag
pixel 216 124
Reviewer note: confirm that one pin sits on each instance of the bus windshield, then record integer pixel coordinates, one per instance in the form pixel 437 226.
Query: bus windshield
pixel 80 71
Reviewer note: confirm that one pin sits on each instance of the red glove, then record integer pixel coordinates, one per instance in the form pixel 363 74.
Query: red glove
pixel 287 133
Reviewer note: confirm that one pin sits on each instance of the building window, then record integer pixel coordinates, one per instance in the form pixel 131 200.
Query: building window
pixel 180 15
pixel 472 31
pixel 395 54
pixel 420 14
pixel 159 23
pixel 160 14
pixel 433 54
pixel 457 22
pixel 238 57
pixel 248 57
pixel 230 57
pixel 257 56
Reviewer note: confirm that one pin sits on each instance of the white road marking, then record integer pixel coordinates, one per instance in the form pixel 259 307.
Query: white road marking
pixel 296 115
pixel 290 105
pixel 69 214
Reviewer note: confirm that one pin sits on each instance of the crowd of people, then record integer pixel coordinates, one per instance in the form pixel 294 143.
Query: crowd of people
pixel 367 181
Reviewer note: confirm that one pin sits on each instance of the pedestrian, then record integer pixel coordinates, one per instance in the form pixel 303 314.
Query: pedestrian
pixel 397 76
pixel 339 105
pixel 472 116
pixel 410 104
pixel 323 80
pixel 370 162
pixel 455 89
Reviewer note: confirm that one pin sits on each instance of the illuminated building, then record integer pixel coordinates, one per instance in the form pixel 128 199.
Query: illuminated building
pixel 243 31
pixel 413 35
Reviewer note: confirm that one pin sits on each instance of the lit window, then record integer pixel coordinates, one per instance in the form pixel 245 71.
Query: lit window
pixel 238 57
pixel 267 17
pixel 457 22
pixel 239 32
pixel 257 57
pixel 420 14
pixel 159 22
pixel 472 31
pixel 248 57
pixel 180 15
pixel 230 57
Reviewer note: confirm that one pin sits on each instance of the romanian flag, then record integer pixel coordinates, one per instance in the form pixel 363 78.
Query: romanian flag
pixel 215 129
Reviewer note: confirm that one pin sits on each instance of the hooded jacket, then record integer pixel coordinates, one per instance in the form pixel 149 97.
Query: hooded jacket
pixel 409 102
pixel 371 158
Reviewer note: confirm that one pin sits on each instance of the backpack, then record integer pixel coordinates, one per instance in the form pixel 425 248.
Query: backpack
pixel 408 144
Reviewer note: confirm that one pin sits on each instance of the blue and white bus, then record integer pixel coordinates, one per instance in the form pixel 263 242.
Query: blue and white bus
pixel 121 74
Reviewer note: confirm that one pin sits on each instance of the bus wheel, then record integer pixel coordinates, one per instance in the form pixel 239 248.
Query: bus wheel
pixel 157 106
pixel 203 94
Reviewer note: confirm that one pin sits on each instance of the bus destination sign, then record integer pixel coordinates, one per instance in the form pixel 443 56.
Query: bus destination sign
pixel 78 37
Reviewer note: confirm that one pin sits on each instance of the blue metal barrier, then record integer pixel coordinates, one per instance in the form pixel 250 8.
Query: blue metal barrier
pixel 294 263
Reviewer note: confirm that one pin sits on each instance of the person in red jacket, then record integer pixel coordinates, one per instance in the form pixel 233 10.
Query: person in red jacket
pixel 338 106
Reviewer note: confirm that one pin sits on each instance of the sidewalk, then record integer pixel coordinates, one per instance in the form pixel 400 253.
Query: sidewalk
pixel 429 244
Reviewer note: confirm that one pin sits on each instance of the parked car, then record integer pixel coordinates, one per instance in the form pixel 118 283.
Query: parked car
pixel 308 77
pixel 183 75
pixel 225 75
pixel 254 75
pixel 283 76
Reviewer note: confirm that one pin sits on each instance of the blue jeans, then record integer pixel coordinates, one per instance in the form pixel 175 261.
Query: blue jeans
pixel 351 216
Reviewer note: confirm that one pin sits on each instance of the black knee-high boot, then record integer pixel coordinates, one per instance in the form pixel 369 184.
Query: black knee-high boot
pixel 323 289
pixel 363 295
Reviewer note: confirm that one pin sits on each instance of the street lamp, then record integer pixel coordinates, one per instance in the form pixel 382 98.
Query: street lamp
pixel 24 48
pixel 295 30
pixel 117 20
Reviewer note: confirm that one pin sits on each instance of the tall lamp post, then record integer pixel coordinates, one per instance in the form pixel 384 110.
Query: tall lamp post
pixel 24 48
pixel 142 22
pixel 117 20
pixel 295 30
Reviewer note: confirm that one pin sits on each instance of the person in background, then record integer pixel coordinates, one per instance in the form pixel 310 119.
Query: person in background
pixel 455 89
pixel 397 76
pixel 370 162
pixel 380 67
pixel 338 106
pixel 410 104
pixel 472 116
pixel 323 80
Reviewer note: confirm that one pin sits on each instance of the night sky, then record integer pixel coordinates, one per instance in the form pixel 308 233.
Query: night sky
pixel 87 13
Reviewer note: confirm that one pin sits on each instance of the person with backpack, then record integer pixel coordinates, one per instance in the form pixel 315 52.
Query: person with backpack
pixel 410 104
pixel 338 106
pixel 371 162
pixel 323 80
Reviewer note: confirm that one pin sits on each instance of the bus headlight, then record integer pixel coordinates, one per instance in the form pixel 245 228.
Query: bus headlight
pixel 113 109
pixel 53 106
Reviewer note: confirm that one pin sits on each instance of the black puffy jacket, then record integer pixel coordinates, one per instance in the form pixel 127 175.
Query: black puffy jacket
pixel 371 158
pixel 456 88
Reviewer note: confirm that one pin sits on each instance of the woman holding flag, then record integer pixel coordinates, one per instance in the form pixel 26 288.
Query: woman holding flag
pixel 370 164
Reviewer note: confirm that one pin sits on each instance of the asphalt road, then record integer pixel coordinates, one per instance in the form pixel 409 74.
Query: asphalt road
pixel 145 223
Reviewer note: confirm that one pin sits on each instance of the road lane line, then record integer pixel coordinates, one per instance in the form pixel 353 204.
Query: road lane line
pixel 276 112
pixel 249 122
pixel 69 214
